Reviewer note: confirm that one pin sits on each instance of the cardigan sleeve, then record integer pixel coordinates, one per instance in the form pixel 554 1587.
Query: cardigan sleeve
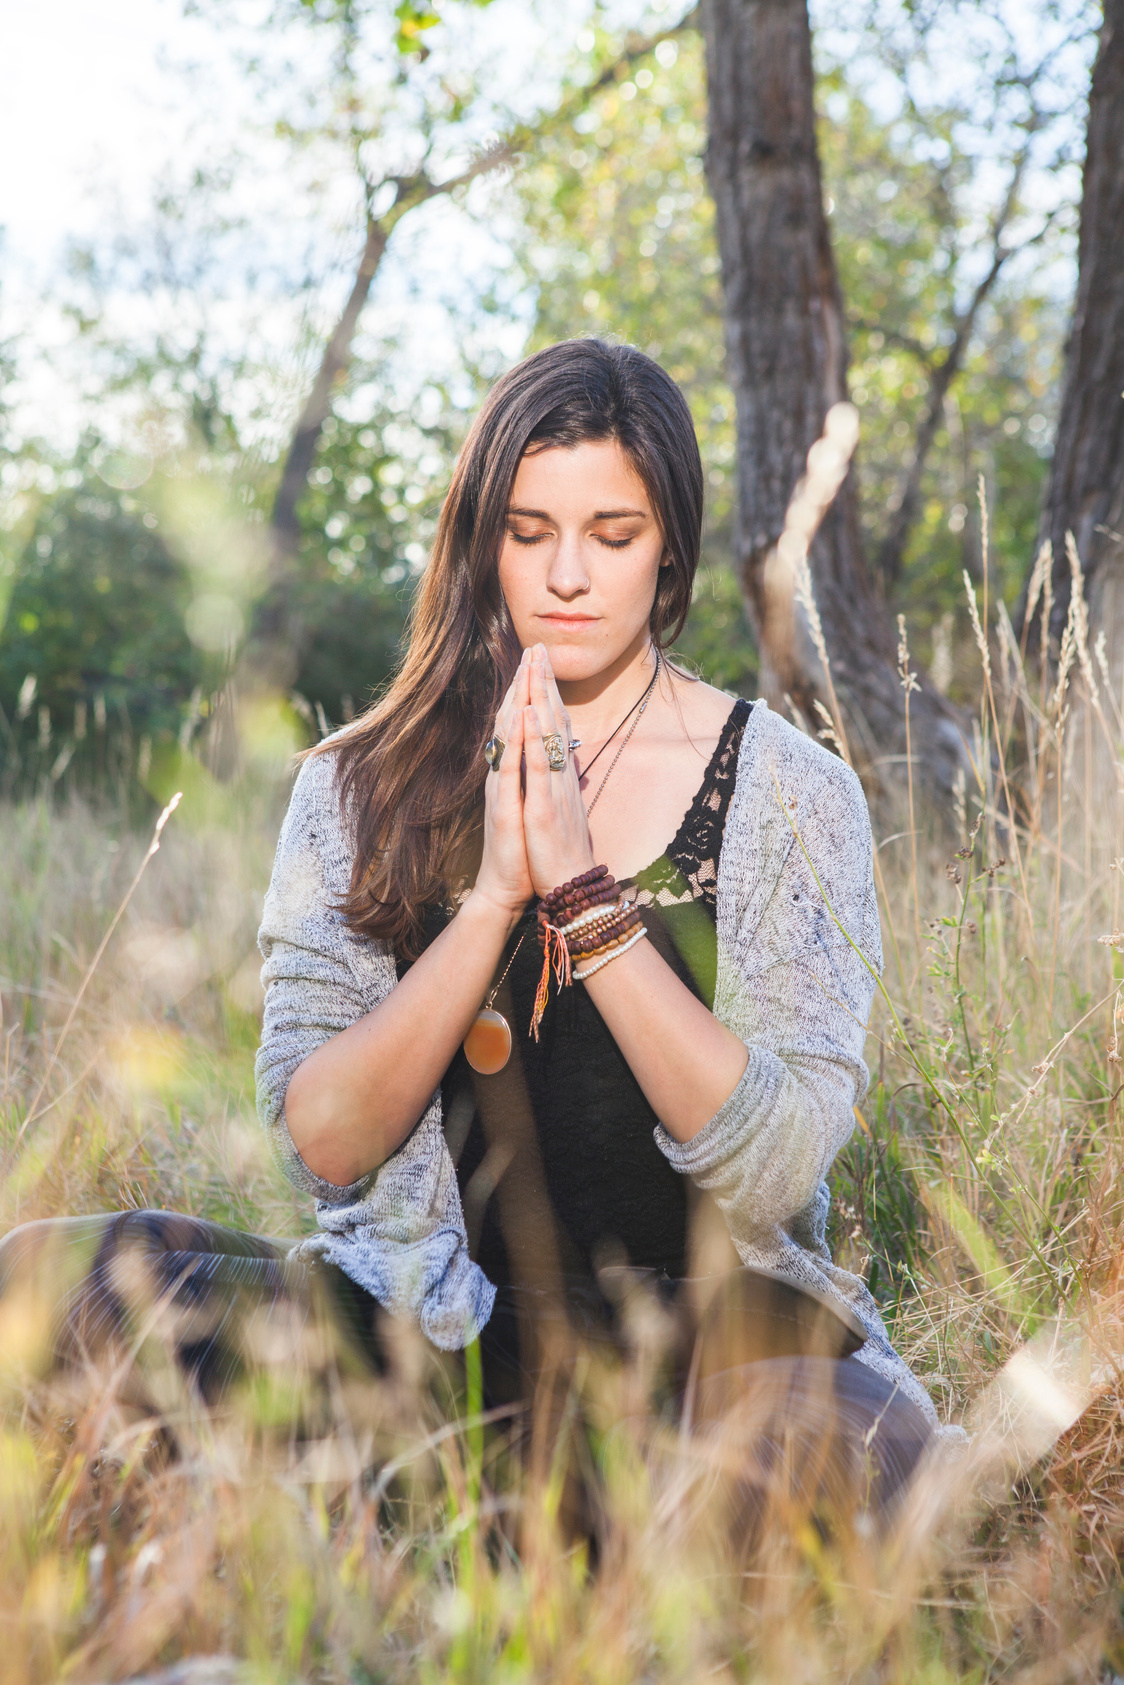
pixel 799 957
pixel 317 978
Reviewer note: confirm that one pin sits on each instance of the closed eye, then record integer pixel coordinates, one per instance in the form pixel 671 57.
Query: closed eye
pixel 529 538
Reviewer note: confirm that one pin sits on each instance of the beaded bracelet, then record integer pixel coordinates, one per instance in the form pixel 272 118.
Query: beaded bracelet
pixel 586 919
pixel 574 889
pixel 615 953
pixel 597 921
pixel 595 942
pixel 591 915
pixel 568 901
pixel 573 900
pixel 566 914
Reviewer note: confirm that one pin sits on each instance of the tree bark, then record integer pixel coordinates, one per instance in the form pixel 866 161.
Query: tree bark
pixel 1085 494
pixel 787 359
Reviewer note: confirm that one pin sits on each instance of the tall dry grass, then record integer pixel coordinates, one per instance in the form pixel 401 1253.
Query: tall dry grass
pixel 324 1526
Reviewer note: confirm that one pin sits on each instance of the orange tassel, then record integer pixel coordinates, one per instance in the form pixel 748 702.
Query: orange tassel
pixel 552 938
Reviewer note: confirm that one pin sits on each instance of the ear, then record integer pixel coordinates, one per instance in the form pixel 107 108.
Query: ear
pixel 665 559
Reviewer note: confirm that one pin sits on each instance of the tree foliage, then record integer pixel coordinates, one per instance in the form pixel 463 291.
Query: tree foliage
pixel 620 240
pixel 608 228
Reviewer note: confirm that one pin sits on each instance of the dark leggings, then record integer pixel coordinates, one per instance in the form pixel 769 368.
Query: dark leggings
pixel 838 1429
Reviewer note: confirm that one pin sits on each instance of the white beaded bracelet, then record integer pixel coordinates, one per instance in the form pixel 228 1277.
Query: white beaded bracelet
pixel 591 915
pixel 580 976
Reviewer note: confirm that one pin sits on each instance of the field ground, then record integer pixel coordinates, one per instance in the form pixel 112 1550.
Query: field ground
pixel 323 1527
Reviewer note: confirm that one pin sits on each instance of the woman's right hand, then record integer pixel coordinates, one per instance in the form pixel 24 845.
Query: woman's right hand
pixel 353 1100
pixel 504 878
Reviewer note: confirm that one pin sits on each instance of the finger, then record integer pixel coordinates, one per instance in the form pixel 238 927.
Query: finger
pixel 538 767
pixel 515 701
pixel 554 696
pixel 508 781
pixel 558 707
pixel 540 699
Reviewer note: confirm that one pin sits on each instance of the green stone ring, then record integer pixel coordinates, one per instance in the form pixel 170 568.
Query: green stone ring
pixel 493 752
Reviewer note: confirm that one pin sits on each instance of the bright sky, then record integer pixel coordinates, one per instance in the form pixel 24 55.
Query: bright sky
pixel 86 97
pixel 97 107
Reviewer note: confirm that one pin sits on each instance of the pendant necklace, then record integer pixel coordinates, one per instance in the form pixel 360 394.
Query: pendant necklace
pixel 487 1046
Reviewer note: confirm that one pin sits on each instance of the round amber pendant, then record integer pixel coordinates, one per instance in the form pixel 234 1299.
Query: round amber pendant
pixel 487 1046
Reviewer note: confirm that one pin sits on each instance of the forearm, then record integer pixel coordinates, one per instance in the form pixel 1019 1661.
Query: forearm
pixel 686 1062
pixel 354 1100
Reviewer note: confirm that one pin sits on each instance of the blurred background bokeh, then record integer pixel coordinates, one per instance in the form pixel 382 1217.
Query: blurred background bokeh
pixel 183 224
pixel 259 261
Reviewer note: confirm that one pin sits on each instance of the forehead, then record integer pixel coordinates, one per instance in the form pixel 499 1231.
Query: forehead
pixel 596 474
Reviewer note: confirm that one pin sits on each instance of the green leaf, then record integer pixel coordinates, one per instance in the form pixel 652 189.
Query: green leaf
pixel 413 20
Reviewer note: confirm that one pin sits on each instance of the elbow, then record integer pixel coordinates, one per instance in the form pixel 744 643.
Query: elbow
pixel 318 1128
pixel 827 1126
pixel 797 1154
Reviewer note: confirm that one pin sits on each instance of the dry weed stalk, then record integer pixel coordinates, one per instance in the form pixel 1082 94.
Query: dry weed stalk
pixel 788 578
pixel 323 1524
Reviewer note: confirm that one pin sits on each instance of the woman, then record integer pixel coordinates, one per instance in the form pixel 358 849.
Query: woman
pixel 645 914
pixel 718 1045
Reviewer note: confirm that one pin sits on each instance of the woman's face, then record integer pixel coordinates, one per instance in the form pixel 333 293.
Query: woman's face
pixel 580 557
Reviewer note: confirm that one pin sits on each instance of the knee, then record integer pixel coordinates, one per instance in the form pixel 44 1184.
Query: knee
pixel 49 1251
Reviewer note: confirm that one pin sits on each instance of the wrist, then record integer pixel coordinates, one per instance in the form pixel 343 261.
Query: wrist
pixel 493 914
pixel 565 873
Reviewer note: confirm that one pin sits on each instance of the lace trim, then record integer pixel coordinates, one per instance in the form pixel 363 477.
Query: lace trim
pixel 688 870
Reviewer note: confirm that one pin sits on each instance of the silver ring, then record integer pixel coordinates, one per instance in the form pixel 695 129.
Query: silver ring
pixel 575 743
pixel 555 751
pixel 493 752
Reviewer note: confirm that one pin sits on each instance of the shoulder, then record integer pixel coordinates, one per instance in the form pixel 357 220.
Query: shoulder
pixel 797 854
pixel 795 807
pixel 315 830
pixel 316 794
pixel 782 771
pixel 703 710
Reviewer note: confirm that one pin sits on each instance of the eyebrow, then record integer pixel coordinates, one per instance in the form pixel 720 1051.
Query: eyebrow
pixel 600 515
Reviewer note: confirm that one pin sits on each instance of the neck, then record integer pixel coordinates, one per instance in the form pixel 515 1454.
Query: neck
pixel 598 703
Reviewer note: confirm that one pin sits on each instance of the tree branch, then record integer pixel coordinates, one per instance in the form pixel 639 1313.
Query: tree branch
pixel 273 653
pixel 906 499
pixel 410 192
pixel 905 341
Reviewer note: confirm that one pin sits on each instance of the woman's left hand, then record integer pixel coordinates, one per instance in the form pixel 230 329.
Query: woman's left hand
pixel 554 822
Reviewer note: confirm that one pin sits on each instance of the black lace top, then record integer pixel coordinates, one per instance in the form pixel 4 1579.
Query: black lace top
pixel 563 1137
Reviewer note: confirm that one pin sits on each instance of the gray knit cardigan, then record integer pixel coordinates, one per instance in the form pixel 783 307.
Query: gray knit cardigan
pixel 799 949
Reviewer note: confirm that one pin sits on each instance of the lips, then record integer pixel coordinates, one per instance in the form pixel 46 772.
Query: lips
pixel 569 619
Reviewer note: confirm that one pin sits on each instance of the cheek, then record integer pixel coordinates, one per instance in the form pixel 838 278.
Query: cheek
pixel 633 583
pixel 518 577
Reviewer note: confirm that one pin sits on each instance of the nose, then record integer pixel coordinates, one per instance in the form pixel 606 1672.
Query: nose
pixel 568 576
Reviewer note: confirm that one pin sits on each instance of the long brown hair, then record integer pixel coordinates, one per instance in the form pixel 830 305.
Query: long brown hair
pixel 411 769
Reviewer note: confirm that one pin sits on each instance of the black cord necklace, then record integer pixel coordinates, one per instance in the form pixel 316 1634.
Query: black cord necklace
pixel 640 699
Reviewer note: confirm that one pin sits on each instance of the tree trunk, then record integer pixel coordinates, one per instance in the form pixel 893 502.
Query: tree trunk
pixel 1085 494
pixel 272 656
pixel 787 359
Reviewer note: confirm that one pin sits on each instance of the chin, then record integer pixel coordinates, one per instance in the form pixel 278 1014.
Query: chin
pixel 571 662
